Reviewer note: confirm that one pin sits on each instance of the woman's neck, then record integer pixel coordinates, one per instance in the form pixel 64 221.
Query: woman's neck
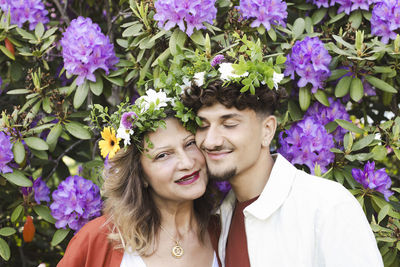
pixel 178 219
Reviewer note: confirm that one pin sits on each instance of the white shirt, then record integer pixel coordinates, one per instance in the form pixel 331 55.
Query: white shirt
pixel 134 260
pixel 300 220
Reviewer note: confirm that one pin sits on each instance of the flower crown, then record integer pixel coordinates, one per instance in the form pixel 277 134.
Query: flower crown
pixel 133 121
pixel 250 69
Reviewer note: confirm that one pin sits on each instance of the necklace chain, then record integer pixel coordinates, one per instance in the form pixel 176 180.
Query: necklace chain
pixel 177 250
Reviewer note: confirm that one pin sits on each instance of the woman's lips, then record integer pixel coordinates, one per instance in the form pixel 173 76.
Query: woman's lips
pixel 188 179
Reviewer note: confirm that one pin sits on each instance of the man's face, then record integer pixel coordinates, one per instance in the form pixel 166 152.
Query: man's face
pixel 230 139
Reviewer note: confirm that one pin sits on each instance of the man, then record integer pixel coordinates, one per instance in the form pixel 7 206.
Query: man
pixel 275 215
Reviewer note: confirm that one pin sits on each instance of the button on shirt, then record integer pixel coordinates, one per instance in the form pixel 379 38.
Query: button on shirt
pixel 304 221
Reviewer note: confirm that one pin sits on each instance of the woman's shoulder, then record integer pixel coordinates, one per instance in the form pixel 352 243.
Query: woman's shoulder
pixel 98 226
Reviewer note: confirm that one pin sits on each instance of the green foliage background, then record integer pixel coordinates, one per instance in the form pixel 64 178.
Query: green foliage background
pixel 147 54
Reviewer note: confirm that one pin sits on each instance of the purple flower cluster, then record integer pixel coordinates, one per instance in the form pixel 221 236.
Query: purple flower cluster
pixel 6 154
pixel 193 13
pixel 40 189
pixel 265 12
pixel 86 49
pixel 346 6
pixel 22 11
pixel 307 142
pixel 385 19
pixel 310 60
pixel 325 115
pixel 217 60
pixel 75 202
pixel 370 179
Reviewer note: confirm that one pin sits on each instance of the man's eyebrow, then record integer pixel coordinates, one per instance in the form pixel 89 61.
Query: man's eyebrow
pixel 224 117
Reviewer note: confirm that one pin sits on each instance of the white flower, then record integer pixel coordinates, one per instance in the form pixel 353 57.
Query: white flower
pixel 198 78
pixel 277 78
pixel 186 84
pixel 159 99
pixel 124 134
pixel 227 72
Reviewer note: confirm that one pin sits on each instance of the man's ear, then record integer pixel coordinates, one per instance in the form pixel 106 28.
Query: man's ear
pixel 269 125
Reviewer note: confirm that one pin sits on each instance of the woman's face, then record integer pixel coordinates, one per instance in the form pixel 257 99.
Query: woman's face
pixel 175 168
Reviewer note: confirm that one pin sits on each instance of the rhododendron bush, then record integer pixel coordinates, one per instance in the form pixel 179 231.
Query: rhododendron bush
pixel 58 59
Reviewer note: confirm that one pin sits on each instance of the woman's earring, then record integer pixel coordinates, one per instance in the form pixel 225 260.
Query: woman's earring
pixel 145 184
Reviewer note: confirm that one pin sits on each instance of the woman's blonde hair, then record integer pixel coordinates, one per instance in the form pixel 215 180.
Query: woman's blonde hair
pixel 130 208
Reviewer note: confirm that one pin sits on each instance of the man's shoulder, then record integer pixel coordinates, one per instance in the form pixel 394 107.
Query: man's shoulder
pixel 322 189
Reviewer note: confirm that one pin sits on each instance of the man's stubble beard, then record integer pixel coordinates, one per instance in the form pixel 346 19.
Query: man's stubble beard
pixel 225 176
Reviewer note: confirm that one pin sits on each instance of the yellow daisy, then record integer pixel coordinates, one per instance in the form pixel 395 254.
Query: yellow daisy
pixel 110 143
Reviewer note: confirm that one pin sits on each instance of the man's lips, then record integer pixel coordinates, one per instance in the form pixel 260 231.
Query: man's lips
pixel 188 179
pixel 216 155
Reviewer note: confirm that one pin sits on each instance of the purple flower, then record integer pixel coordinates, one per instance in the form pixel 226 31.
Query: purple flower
pixel 223 186
pixel 385 19
pixel 217 60
pixel 310 60
pixel 6 154
pixel 128 118
pixel 319 3
pixel 75 202
pixel 41 190
pixel 325 115
pixel 86 49
pixel 370 179
pixel 265 12
pixel 187 14
pixel 307 142
pixel 22 11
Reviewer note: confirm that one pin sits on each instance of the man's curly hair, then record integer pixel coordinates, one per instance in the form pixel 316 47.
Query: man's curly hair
pixel 264 102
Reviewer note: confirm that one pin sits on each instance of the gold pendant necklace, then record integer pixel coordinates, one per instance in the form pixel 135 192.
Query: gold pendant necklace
pixel 177 250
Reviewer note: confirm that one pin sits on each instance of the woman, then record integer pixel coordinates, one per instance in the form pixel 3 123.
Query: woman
pixel 157 210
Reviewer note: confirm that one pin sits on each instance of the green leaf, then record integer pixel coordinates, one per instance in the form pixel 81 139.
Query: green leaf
pixel 134 30
pixel 39 30
pixel 16 213
pixel 53 136
pixel 18 92
pixel 18 178
pixel 198 38
pixel 331 126
pixel 359 157
pixel 97 87
pixel 19 152
pixel 294 111
pixel 77 130
pixel 298 27
pixel 396 152
pixel 318 15
pixel 46 105
pixel 343 86
pixel 5 252
pixel 36 143
pixel 356 89
pixel 304 98
pixel 272 34
pixel 118 81
pixel 81 94
pixel 349 126
pixel 7 231
pixel 378 83
pixel 322 98
pixel 336 18
pixel 59 236
pixel 379 152
pixel 25 34
pixel 383 212
pixel 355 19
pixel 337 73
pixel 177 39
pixel 363 142
pixel 6 52
pixel 44 212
